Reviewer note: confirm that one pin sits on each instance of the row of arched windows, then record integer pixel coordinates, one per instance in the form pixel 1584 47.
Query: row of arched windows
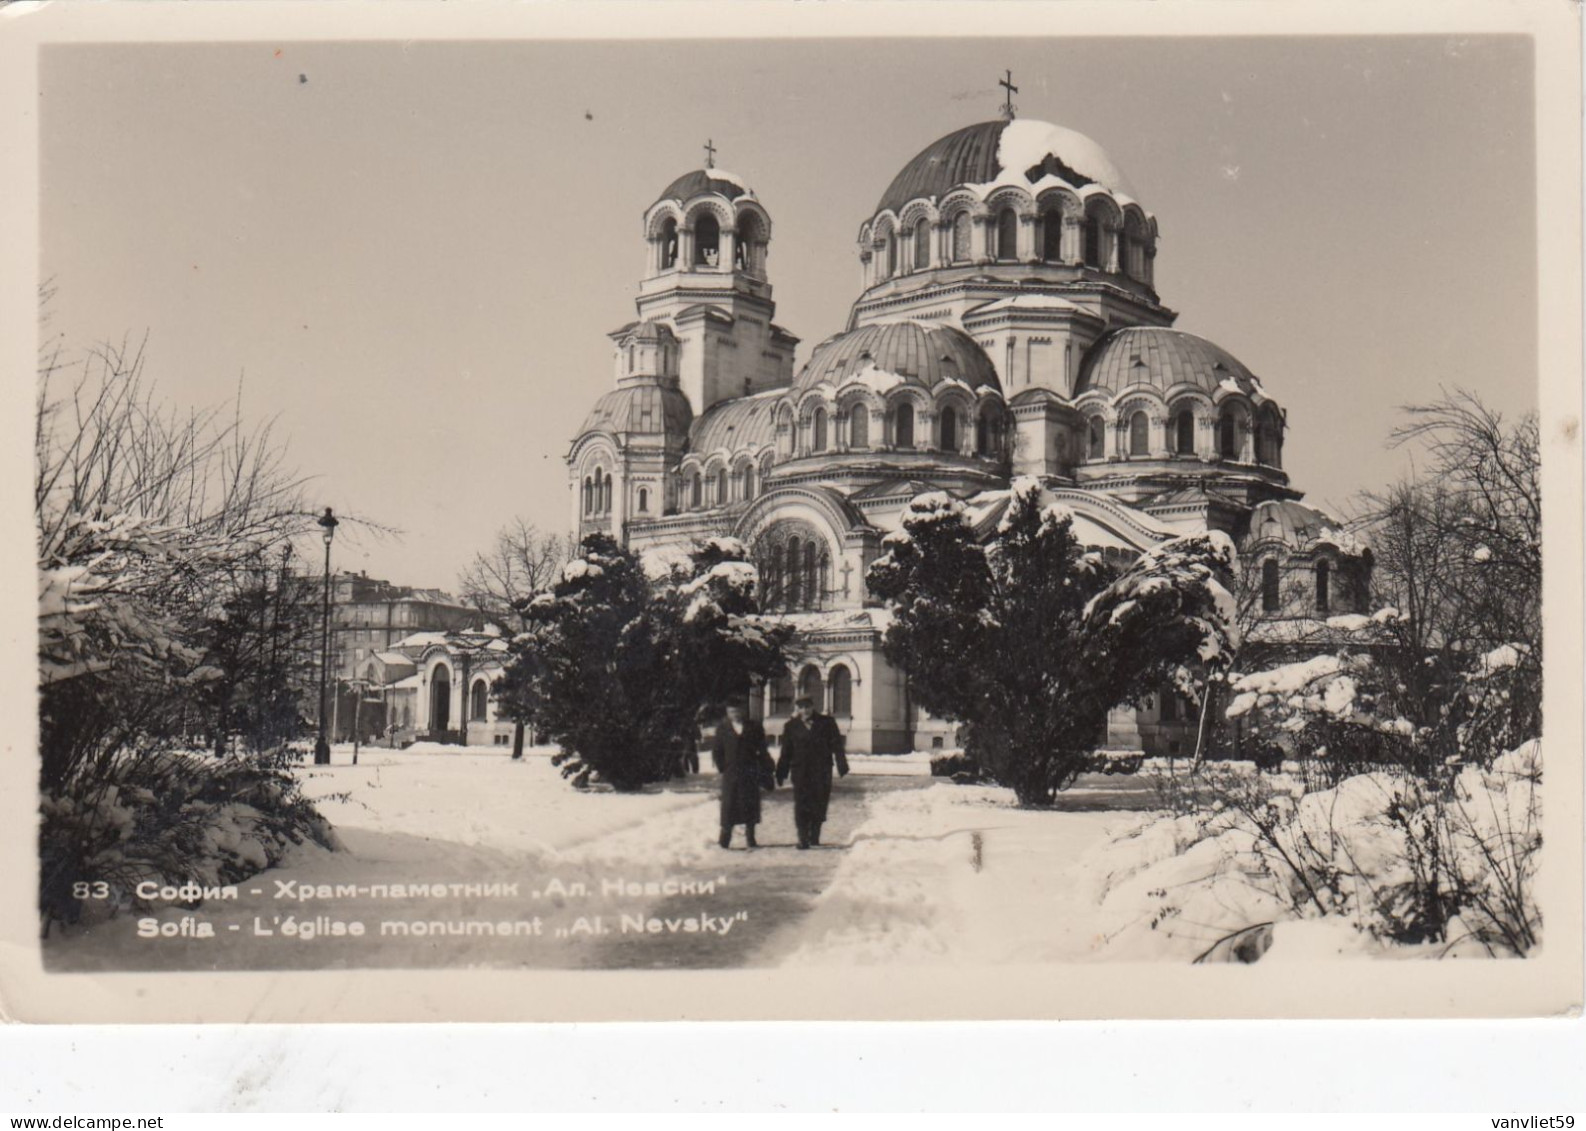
pixel 1003 240
pixel 707 242
pixel 723 488
pixel 900 422
pixel 1181 437
pixel 834 694
pixel 597 492
pixel 795 574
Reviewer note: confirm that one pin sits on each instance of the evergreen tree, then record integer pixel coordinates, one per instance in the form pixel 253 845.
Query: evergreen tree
pixel 616 667
pixel 1031 638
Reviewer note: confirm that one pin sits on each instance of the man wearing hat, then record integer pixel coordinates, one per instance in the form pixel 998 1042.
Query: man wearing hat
pixel 744 764
pixel 811 743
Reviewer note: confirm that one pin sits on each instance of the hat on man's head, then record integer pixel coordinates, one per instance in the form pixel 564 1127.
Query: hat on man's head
pixel 803 701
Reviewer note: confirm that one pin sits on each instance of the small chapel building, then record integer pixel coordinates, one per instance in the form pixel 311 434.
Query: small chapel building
pixel 1007 324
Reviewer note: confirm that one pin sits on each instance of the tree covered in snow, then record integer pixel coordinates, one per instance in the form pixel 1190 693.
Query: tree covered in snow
pixel 1030 638
pixel 1448 669
pixel 160 622
pixel 616 665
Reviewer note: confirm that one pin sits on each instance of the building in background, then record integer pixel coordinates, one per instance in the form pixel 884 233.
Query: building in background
pixel 1007 325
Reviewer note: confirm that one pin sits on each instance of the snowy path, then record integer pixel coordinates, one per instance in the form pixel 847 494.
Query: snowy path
pixel 595 880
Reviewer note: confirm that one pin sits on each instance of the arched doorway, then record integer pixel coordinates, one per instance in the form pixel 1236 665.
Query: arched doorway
pixel 810 687
pixel 479 701
pixel 440 700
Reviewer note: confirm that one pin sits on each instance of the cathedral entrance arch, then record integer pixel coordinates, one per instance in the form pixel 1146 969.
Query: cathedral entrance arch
pixel 440 700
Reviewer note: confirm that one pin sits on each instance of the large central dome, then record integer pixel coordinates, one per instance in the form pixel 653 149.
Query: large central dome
pixel 1022 149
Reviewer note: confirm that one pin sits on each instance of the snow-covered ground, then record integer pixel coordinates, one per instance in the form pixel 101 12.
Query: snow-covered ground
pixel 914 870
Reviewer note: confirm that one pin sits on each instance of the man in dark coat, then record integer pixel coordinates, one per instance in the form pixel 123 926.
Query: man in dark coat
pixel 744 764
pixel 811 743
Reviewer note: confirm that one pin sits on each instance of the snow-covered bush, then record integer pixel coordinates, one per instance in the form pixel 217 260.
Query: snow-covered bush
pixel 171 818
pixel 1403 860
pixel 618 662
pixel 1058 636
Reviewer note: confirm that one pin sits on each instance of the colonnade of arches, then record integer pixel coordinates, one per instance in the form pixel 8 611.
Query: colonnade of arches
pixel 718 484
pixel 700 240
pixel 907 422
pixel 1012 227
pixel 832 694
pixel 795 567
pixel 1142 432
pixel 597 492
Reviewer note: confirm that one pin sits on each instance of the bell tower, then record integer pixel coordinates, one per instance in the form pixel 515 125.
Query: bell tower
pixel 706 241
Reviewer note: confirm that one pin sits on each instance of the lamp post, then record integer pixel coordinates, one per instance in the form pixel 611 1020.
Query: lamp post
pixel 322 745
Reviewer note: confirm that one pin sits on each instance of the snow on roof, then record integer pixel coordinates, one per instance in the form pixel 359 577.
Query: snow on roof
pixel 1026 142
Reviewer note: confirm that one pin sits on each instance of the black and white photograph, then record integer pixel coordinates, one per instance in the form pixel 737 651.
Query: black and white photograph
pixel 868 510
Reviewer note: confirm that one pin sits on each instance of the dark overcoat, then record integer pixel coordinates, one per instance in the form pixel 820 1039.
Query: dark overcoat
pixel 742 760
pixel 808 754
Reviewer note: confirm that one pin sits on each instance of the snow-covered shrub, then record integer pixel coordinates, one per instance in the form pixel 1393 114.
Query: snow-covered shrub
pixel 1058 635
pixel 1403 860
pixel 171 818
pixel 620 658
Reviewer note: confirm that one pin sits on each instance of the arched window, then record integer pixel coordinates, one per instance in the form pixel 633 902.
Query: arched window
pixel 669 244
pixel 922 245
pixel 842 685
pixel 1007 234
pixel 961 238
pixel 1139 435
pixel 810 686
pixel 812 589
pixel 793 588
pixel 859 427
pixel 479 700
pixel 644 499
pixel 589 495
pixel 892 256
pixel 771 578
pixel 1094 256
pixel 818 431
pixel 748 481
pixel 696 491
pixel 721 487
pixel 1096 441
pixel 1227 436
pixel 903 426
pixel 1323 576
pixel 1052 235
pixel 949 430
pixel 1269 585
pixel 1184 433
pixel 707 241
pixel 981 445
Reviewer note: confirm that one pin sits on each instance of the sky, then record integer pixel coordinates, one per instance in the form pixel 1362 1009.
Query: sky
pixel 411 254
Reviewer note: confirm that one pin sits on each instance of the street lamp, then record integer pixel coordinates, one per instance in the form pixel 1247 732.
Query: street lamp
pixel 322 745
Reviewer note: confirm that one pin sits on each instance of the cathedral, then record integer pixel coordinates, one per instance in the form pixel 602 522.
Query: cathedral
pixel 1007 324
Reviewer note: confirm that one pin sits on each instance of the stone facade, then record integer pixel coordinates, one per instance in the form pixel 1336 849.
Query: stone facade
pixel 1007 325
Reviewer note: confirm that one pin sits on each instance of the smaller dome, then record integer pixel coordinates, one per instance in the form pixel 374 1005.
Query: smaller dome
pixel 888 353
pixel 736 425
pixel 1162 359
pixel 644 409
pixel 1296 525
pixel 690 185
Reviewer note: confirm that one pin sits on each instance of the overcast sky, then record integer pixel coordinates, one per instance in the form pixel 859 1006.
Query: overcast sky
pixel 414 252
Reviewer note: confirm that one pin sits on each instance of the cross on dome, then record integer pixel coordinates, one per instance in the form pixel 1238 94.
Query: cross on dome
pixel 710 154
pixel 1006 82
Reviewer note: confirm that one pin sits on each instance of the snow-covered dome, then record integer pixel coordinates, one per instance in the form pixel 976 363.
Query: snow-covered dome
pixel 690 185
pixel 914 352
pixel 1164 360
pixel 1022 151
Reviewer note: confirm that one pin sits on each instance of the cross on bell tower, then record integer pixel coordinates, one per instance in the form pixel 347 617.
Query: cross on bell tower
pixel 1006 82
pixel 710 154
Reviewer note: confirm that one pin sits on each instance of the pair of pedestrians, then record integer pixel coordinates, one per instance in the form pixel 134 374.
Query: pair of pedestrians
pixel 811 746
